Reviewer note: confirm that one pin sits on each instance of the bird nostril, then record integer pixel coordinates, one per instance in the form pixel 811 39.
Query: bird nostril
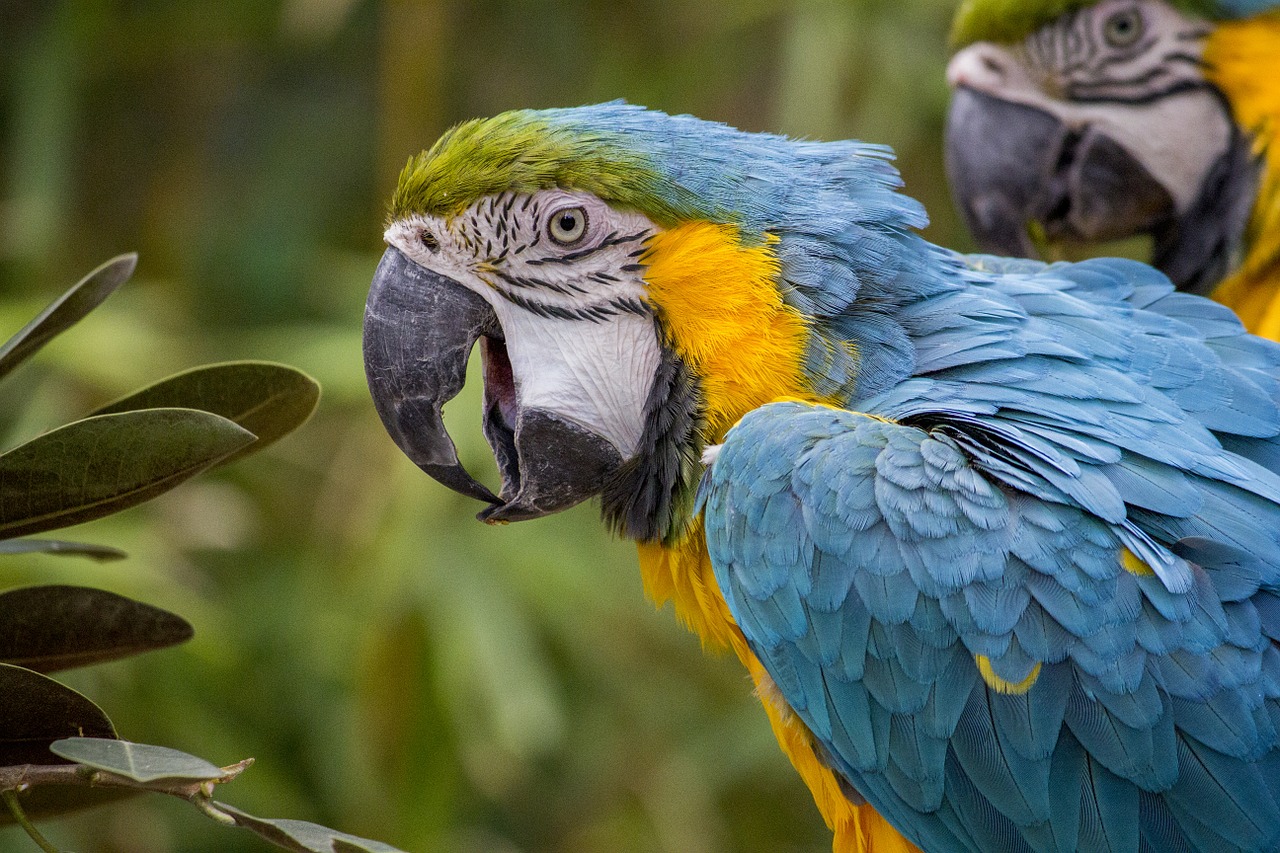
pixel 428 240
pixel 978 66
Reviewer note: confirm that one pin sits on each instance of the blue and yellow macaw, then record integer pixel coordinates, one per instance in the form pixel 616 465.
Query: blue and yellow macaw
pixel 1089 120
pixel 998 542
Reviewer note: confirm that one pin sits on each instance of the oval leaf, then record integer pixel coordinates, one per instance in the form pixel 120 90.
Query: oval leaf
pixel 37 711
pixel 61 548
pixel 100 465
pixel 269 400
pixel 351 844
pixel 141 762
pixel 48 628
pixel 67 310
pixel 304 837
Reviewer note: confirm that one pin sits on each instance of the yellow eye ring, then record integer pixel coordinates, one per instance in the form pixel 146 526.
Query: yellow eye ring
pixel 1123 28
pixel 567 225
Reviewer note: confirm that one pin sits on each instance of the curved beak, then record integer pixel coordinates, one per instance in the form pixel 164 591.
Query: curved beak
pixel 1011 164
pixel 419 330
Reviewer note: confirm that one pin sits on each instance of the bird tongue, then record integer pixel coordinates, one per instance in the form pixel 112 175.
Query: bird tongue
pixel 419 330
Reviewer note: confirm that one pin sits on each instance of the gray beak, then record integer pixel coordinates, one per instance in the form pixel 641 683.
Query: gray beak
pixel 1011 164
pixel 419 330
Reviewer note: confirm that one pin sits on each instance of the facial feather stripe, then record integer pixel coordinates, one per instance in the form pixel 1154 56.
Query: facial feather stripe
pixel 1118 52
pixel 509 228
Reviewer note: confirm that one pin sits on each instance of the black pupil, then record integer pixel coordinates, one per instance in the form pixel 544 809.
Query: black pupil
pixel 568 222
pixel 1122 25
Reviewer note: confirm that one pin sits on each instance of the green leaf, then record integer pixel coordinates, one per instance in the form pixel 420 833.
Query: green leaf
pixel 304 837
pixel 103 464
pixel 351 844
pixel 67 310
pixel 141 762
pixel 37 711
pixel 48 628
pixel 269 400
pixel 61 548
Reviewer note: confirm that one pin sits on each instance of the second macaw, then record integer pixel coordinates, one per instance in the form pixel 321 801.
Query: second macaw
pixel 998 542
pixel 1089 120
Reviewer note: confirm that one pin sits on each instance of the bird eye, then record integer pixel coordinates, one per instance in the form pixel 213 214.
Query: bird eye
pixel 428 240
pixel 1123 28
pixel 568 225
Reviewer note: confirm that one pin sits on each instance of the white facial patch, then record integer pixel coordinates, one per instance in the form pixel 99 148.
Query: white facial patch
pixel 561 271
pixel 597 375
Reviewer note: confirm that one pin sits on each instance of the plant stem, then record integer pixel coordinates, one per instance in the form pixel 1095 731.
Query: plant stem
pixel 23 776
pixel 11 799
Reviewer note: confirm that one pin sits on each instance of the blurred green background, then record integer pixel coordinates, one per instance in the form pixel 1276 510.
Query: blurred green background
pixel 399 670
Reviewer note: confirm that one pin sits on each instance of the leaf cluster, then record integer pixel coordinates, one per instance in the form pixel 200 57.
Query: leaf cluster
pixel 59 751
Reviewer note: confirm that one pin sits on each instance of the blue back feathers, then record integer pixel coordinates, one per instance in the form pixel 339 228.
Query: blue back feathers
pixel 1024 588
pixel 936 575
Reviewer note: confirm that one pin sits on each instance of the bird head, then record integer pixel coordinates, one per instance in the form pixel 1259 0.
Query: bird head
pixel 1090 120
pixel 636 282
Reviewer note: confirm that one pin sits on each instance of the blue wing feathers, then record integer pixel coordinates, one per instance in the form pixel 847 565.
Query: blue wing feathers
pixel 890 686
pixel 1108 811
pixel 1031 721
pixel 1065 775
pixel 1044 637
pixel 1139 708
pixel 1057 416
pixel 1019 784
pixel 1159 830
pixel 1243 626
pixel 1234 799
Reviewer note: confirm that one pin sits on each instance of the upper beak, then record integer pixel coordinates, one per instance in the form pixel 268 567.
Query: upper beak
pixel 998 161
pixel 1011 164
pixel 419 330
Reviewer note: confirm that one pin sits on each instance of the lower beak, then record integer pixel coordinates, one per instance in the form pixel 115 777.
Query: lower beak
pixel 1010 165
pixel 419 330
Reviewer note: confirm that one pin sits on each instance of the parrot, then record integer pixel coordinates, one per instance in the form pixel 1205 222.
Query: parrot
pixel 998 542
pixel 1084 121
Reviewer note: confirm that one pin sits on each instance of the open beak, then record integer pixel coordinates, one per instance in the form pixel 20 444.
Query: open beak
pixel 419 330
pixel 1011 164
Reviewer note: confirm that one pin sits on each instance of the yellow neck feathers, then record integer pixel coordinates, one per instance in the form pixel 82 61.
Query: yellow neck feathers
pixel 1243 60
pixel 724 316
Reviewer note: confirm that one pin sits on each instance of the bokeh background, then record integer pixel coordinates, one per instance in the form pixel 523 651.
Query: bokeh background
pixel 399 670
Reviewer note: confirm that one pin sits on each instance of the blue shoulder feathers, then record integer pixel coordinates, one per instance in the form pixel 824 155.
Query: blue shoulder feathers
pixel 1025 590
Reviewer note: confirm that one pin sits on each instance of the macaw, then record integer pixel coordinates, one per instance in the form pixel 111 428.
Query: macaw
pixel 998 542
pixel 1090 120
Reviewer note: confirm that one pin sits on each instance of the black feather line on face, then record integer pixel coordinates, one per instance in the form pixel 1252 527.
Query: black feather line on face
pixel 650 498
pixel 1197 249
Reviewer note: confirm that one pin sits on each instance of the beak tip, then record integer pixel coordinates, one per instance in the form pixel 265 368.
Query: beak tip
pixel 419 328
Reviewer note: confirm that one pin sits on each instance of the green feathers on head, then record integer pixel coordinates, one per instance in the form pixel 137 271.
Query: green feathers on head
pixel 1008 21
pixel 524 151
pixel 672 169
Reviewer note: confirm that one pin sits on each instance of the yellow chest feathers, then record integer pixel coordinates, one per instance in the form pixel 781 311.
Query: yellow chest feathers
pixel 723 314
pixel 1243 60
